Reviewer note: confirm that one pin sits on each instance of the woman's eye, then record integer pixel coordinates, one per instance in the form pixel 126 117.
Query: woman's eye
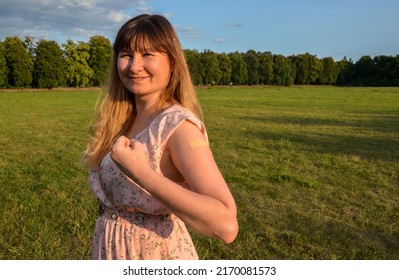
pixel 124 55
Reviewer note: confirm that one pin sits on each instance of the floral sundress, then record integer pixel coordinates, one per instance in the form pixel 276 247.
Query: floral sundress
pixel 134 224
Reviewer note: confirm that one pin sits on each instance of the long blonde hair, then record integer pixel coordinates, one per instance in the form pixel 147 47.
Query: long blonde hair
pixel 118 108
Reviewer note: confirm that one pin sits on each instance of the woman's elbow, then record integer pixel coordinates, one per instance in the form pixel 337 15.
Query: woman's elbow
pixel 229 233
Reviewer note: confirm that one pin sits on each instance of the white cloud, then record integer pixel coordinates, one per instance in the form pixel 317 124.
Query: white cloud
pixel 236 25
pixel 219 40
pixel 187 31
pixel 80 31
pixel 116 16
pixel 70 18
pixel 167 15
pixel 85 4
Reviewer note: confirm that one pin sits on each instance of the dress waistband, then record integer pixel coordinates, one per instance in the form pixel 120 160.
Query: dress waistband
pixel 135 217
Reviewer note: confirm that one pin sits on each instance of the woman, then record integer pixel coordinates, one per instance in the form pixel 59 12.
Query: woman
pixel 150 163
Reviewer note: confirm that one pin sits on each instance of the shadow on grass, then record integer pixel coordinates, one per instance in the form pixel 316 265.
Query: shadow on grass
pixel 363 142
pixel 361 242
pixel 380 123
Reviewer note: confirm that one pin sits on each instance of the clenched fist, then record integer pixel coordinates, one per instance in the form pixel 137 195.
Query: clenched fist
pixel 130 157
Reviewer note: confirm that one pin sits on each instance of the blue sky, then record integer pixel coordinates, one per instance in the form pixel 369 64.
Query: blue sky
pixel 335 28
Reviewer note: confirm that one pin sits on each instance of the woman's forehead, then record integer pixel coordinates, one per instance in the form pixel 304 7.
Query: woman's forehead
pixel 141 45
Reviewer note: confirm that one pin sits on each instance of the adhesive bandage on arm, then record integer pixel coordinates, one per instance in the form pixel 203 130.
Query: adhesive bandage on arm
pixel 197 143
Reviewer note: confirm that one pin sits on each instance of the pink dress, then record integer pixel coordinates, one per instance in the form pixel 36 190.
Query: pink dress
pixel 134 224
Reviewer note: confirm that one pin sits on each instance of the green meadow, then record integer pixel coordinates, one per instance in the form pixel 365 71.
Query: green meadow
pixel 314 171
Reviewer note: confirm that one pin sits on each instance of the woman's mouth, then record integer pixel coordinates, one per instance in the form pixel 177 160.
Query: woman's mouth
pixel 137 79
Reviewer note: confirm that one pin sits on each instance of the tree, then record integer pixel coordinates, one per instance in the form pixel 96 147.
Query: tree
pixel 316 68
pixel 100 59
pixel 301 69
pixel 307 67
pixel 395 71
pixel 225 68
pixel 3 67
pixel 29 43
pixel 346 72
pixel 194 65
pixel 239 74
pixel 251 59
pixel 365 71
pixel 386 70
pixel 282 71
pixel 49 65
pixel 266 68
pixel 210 71
pixel 330 72
pixel 78 71
pixel 19 63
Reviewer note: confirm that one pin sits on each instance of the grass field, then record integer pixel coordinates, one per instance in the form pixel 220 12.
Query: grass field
pixel 314 171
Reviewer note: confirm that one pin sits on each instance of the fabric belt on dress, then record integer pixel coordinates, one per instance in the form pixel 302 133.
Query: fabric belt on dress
pixel 135 217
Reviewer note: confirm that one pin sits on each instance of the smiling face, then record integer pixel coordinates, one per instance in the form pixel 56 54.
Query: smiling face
pixel 148 58
pixel 144 72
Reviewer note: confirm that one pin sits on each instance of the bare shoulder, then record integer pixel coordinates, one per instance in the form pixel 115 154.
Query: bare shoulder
pixel 190 153
pixel 188 136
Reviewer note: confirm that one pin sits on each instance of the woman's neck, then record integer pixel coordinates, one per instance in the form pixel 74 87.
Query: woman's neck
pixel 146 105
pixel 147 110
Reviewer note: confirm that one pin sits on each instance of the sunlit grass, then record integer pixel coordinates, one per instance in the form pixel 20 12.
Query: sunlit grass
pixel 314 171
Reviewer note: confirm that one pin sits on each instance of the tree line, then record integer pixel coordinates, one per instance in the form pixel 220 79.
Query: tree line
pixel 46 64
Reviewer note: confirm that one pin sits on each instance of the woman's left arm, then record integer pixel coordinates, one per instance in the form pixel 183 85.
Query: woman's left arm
pixel 208 206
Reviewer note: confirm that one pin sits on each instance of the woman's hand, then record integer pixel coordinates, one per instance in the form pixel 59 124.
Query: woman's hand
pixel 130 157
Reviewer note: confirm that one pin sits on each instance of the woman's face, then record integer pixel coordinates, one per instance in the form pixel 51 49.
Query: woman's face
pixel 144 72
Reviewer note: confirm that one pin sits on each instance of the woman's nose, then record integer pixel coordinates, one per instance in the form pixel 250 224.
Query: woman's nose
pixel 136 63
